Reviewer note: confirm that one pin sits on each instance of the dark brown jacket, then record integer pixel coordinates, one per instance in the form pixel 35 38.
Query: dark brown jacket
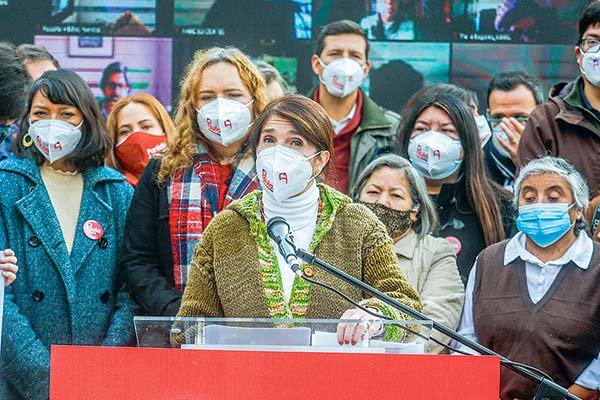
pixel 564 127
pixel 560 334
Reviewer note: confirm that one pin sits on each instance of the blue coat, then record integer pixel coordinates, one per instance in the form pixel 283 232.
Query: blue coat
pixel 59 298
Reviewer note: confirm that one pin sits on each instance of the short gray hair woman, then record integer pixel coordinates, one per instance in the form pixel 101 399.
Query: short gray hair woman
pixel 545 277
pixel 427 215
pixel 560 167
pixel 276 86
pixel 395 192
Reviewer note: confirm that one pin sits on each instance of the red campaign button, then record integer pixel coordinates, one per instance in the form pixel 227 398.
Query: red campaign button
pixel 455 243
pixel 93 229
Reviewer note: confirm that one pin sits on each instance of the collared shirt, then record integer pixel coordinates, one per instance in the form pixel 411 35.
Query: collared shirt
pixel 540 277
pixel 339 126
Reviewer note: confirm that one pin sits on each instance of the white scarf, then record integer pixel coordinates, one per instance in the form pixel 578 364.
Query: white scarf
pixel 300 212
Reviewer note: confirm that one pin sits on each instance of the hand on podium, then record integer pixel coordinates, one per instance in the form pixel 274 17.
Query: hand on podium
pixel 354 333
pixel 584 393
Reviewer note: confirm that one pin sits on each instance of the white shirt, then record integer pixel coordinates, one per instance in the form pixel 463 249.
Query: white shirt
pixel 339 126
pixel 540 277
pixel 300 213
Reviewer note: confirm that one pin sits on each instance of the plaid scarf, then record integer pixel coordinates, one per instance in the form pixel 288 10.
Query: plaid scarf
pixel 193 195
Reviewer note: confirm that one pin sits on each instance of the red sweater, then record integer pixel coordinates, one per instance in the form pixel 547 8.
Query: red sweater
pixel 341 147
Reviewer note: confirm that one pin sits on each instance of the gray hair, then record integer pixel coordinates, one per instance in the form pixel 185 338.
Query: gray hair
pixel 270 74
pixel 427 218
pixel 560 167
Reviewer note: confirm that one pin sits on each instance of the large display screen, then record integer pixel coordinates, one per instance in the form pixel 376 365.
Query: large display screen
pixel 413 42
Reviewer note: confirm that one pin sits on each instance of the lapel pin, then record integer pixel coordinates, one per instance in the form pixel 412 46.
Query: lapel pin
pixel 93 229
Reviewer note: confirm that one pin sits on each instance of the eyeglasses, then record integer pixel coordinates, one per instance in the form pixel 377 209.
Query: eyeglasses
pixel 590 45
pixel 495 121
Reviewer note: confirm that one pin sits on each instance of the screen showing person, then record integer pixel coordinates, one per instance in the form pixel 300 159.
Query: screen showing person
pixel 385 20
pixel 116 67
pixel 114 85
pixel 399 70
pixel 132 17
pixel 390 20
pixel 525 21
pixel 246 20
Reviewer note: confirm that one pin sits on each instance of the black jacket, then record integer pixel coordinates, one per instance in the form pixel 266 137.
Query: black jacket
pixel 459 224
pixel 147 260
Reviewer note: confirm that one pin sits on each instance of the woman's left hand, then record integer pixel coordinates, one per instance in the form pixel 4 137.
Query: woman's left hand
pixel 354 333
pixel 8 267
pixel 584 393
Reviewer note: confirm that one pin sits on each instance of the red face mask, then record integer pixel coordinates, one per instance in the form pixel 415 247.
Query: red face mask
pixel 135 151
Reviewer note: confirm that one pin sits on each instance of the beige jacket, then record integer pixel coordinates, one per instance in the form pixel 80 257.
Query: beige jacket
pixel 429 265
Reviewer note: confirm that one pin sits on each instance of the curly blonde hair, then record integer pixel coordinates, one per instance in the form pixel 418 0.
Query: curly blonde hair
pixel 181 153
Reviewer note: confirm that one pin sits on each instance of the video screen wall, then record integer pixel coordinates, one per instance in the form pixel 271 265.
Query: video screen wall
pixel 414 43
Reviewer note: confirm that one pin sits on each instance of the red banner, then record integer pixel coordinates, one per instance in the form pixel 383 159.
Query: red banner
pixel 143 373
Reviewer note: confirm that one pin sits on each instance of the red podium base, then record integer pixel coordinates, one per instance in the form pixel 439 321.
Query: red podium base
pixel 143 373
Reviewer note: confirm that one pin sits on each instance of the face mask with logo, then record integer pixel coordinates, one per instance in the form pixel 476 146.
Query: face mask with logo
pixel 397 222
pixel 134 152
pixel 342 77
pixel 544 223
pixel 283 172
pixel 483 128
pixel 435 155
pixel 55 138
pixel 590 67
pixel 224 121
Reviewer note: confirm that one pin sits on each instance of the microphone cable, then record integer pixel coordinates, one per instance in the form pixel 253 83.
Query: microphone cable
pixel 445 345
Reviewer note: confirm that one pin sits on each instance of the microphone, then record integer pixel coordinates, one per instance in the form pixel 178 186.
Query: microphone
pixel 279 231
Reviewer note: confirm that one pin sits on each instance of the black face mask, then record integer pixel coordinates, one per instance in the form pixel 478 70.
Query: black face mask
pixel 397 222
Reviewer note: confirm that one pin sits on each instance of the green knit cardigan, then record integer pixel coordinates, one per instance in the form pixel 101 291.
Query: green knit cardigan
pixel 234 272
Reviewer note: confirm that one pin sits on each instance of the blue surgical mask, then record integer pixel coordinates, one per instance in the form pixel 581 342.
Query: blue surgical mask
pixel 544 223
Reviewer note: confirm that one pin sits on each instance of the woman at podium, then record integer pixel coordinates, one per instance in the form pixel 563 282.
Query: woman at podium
pixel 534 298
pixel 237 271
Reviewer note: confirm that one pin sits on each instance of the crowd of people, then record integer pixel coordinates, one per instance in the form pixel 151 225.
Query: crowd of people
pixel 487 224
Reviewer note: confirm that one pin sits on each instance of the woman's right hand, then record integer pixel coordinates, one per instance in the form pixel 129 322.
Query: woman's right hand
pixel 8 267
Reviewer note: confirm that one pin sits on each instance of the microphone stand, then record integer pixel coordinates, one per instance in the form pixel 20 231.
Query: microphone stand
pixel 547 390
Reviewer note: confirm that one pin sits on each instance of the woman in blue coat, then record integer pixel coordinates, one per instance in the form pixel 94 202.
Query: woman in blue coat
pixel 62 212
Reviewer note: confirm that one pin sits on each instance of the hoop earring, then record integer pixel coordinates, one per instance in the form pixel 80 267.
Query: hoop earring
pixel 26 141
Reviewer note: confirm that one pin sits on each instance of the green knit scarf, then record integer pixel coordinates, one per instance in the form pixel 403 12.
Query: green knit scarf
pixel 331 202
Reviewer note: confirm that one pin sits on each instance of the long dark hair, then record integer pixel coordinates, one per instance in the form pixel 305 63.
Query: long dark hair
pixel 481 192
pixel 66 87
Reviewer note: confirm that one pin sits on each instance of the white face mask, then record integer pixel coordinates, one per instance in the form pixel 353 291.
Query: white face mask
pixel 498 132
pixel 483 128
pixel 342 77
pixel 283 172
pixel 224 121
pixel 435 155
pixel 590 67
pixel 55 138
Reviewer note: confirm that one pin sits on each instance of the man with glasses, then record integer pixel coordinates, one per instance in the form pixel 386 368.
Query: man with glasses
pixel 511 97
pixel 568 124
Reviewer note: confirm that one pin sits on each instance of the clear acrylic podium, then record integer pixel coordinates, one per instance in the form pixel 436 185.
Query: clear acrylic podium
pixel 378 336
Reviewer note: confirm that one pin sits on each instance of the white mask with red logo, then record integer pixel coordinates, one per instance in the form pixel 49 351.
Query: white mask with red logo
pixel 55 138
pixel 283 172
pixel 435 155
pixel 342 77
pixel 224 121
